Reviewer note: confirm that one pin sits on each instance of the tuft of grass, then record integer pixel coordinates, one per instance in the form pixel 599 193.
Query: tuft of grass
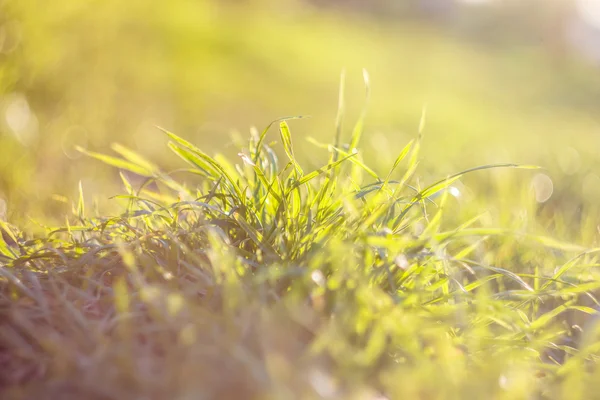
pixel 256 278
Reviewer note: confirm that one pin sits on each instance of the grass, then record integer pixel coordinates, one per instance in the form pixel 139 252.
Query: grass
pixel 370 260
pixel 256 277
pixel 88 81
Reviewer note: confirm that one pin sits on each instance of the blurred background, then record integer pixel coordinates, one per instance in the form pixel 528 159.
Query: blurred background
pixel 503 81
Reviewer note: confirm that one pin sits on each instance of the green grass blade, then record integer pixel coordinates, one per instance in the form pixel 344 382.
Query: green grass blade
pixel 567 266
pixel 198 158
pixel 310 176
pixel 263 134
pixel 286 139
pixel 134 157
pixel 117 162
pixel 360 124
pixel 340 115
pixel 399 159
pixel 81 203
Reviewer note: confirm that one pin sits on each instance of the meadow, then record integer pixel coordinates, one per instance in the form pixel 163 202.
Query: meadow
pixel 268 200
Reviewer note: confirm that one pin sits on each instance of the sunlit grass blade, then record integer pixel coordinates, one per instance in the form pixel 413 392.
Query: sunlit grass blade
pixel 205 168
pixel 340 115
pixel 509 274
pixel 442 184
pixel 445 183
pixel 548 317
pixel 255 236
pixel 312 175
pixel 434 224
pixel 117 162
pixel 399 159
pixel 359 127
pixel 134 157
pixel 205 163
pixel 5 249
pixel 263 134
pixel 286 138
pixel 80 203
pixel 568 265
pixel 343 153
pixel 270 186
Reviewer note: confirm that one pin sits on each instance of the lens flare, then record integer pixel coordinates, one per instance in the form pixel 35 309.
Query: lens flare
pixel 589 10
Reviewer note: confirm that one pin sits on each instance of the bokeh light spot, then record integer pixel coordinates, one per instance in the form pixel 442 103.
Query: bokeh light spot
pixel 318 277
pixel 454 191
pixel 20 119
pixel 542 187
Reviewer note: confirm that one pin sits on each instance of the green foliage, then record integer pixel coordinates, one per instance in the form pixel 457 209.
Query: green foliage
pixel 267 281
pixel 301 269
pixel 93 73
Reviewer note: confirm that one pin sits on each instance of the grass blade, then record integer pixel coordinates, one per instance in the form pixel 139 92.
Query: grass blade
pixel 286 138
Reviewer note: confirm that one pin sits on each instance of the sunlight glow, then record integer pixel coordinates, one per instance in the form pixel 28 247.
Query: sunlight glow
pixel 454 191
pixel 589 10
pixel 318 277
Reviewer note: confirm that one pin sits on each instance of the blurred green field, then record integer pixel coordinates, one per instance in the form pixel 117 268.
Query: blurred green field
pixel 367 276
pixel 90 73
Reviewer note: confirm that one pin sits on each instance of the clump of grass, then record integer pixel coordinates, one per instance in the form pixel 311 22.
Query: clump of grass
pixel 257 278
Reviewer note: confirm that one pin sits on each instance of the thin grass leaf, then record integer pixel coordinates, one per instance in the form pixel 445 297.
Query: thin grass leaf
pixel 399 159
pixel 134 157
pixel 270 186
pixel 435 222
pixel 344 153
pixel 126 183
pixel 80 203
pixel 259 144
pixel 567 266
pixel 117 162
pixel 339 119
pixel 5 249
pixel 422 120
pixel 556 244
pixel 442 184
pixel 509 274
pixel 203 167
pixel 310 176
pixel 469 249
pixel 286 138
pixel 255 235
pixel 196 157
pixel 359 127
pixel 546 318
pixel 437 187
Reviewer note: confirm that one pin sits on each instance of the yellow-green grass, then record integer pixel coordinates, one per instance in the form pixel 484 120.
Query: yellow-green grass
pixel 325 274
pixel 259 279
pixel 93 73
